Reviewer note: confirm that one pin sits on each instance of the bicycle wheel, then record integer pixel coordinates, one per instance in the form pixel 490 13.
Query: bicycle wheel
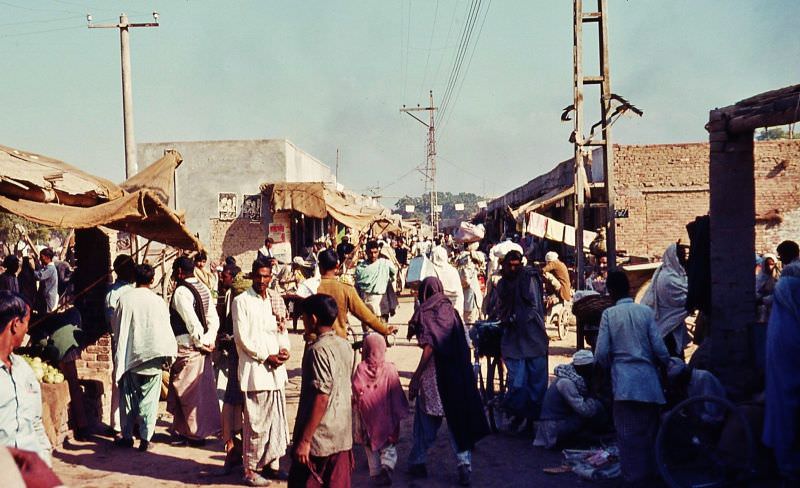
pixel 490 398
pixel 688 448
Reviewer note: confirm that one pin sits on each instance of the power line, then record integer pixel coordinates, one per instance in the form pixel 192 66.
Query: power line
pixel 463 56
pixel 43 21
pixel 453 70
pixel 469 63
pixel 465 38
pixel 447 41
pixel 430 45
pixel 34 9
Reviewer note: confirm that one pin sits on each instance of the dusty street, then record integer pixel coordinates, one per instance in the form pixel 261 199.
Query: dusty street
pixel 499 460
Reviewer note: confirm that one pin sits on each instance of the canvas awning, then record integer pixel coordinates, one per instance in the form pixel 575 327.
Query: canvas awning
pixel 140 213
pixel 159 177
pixel 31 176
pixel 320 200
pixel 544 201
pixel 53 193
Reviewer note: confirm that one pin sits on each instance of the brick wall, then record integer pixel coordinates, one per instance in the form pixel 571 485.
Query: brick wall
pixel 666 186
pixel 240 238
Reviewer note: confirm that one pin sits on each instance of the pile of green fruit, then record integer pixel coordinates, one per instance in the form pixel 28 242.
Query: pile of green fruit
pixel 44 372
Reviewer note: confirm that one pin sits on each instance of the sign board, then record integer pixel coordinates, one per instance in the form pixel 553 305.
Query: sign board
pixel 227 207
pixel 437 208
pixel 621 213
pixel 482 204
pixel 251 207
pixel 409 209
pixel 459 206
pixel 277 232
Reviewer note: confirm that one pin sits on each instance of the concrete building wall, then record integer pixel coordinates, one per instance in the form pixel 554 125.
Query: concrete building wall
pixel 240 167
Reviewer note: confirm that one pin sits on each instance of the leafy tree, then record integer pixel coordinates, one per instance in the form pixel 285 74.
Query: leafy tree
pixel 446 199
pixel 773 133
pixel 10 236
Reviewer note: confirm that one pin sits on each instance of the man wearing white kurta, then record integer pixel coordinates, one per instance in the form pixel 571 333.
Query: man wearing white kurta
pixel 263 346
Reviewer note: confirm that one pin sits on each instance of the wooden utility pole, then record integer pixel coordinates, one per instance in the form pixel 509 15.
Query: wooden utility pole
pixel 131 164
pixel 583 146
pixel 430 162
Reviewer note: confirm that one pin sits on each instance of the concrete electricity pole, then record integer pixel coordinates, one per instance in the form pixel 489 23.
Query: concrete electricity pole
pixel 430 165
pixel 131 165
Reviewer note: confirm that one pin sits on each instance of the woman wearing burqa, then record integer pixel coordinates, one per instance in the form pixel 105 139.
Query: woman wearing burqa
pixel 444 382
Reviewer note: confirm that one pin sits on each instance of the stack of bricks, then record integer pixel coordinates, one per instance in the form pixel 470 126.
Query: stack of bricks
pixel 96 249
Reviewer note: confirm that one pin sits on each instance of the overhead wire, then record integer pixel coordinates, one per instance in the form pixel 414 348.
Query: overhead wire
pixel 446 42
pixel 407 53
pixel 41 21
pixel 459 60
pixel 454 68
pixel 469 63
pixel 430 45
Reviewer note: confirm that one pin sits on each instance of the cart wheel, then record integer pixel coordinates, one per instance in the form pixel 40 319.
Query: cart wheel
pixel 561 325
pixel 689 450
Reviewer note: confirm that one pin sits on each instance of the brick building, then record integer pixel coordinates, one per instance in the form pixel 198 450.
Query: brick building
pixel 664 186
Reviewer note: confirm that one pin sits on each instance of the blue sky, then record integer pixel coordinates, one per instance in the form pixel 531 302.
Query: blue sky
pixel 333 74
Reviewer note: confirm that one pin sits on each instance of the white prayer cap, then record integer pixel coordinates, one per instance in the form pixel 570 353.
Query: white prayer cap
pixel 550 256
pixel 583 357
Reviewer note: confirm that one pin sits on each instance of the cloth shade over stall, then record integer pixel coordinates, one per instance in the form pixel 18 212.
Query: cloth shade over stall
pixel 50 192
pixel 320 200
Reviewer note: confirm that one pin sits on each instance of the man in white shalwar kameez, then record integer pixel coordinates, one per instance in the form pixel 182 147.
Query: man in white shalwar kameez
pixel 144 342
pixel 263 346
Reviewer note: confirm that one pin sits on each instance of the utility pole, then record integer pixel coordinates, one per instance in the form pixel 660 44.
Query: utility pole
pixel 582 146
pixel 131 165
pixel 430 162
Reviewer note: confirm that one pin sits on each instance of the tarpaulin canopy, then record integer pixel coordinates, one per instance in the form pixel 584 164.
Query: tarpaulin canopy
pixel 83 201
pixel 40 178
pixel 543 201
pixel 320 200
pixel 140 213
pixel 159 177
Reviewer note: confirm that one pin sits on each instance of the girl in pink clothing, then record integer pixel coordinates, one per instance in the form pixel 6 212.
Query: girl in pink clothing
pixel 379 404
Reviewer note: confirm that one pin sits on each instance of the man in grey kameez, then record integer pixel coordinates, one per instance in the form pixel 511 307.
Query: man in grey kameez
pixel 630 343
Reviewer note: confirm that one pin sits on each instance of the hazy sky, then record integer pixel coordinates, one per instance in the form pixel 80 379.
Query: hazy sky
pixel 333 74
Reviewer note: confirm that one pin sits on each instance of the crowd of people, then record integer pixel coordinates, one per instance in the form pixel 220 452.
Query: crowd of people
pixel 235 322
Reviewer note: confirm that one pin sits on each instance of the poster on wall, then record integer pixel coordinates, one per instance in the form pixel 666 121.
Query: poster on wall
pixel 251 208
pixel 277 232
pixel 226 206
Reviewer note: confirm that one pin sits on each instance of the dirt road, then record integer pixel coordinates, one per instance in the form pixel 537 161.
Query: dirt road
pixel 498 461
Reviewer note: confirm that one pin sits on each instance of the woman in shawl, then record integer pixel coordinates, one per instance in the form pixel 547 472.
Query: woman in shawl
pixel 782 401
pixel 765 287
pixel 449 277
pixel 379 405
pixel 667 297
pixel 444 382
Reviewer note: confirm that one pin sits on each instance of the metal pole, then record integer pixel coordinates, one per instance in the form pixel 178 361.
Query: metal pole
pixel 432 159
pixel 608 148
pixel 580 174
pixel 131 165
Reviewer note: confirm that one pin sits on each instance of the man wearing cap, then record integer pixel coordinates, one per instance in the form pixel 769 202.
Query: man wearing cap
pixel 554 266
pixel 568 406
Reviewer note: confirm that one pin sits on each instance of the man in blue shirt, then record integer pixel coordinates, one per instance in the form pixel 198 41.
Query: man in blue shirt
pixel 20 393
pixel 631 345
